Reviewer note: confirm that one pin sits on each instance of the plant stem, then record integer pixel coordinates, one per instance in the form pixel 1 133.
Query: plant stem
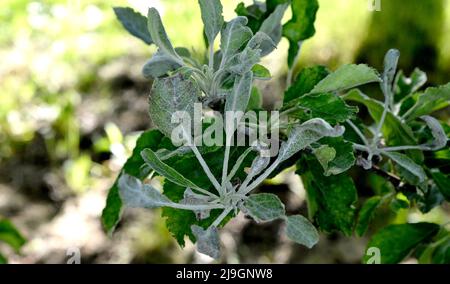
pixel 358 131
pixel 363 148
pixel 222 216
pixel 201 190
pixel 402 148
pixel 238 163
pixel 204 165
pixel 207 170
pixel 211 55
pixel 409 112
pixel 376 138
pixel 386 91
pixel 195 207
pixel 390 177
pixel 291 69
pixel 226 159
pixel 246 189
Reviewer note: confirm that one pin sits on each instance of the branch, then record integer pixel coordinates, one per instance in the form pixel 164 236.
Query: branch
pixel 396 181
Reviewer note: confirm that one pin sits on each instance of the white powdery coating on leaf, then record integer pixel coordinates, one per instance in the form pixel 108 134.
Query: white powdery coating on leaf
pixel 134 194
pixel 301 231
pixel 264 207
pixel 304 135
pixel 208 241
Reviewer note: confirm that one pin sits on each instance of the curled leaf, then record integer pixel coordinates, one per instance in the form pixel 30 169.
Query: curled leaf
pixel 307 133
pixel 439 136
pixel 325 154
pixel 208 241
pixel 390 66
pixel 233 37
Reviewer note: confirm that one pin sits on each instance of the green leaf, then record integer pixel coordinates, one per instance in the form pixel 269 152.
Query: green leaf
pixel 212 18
pixel 261 73
pixel 437 252
pixel 404 86
pixel 305 134
pixel 171 95
pixel 347 77
pixel 441 254
pixel 301 231
pixel 159 35
pixel 325 154
pixel 233 37
pixel 179 221
pixel 264 207
pixel 135 194
pixel 431 100
pixel 327 106
pixel 112 211
pixel 428 198
pixel 165 170
pixel 305 82
pixel 134 23
pixel 301 26
pixel 396 242
pixel 412 172
pixel 255 13
pixel 10 235
pixel 272 4
pixel 208 241
pixel 395 131
pixel 441 240
pixel 443 183
pixel 3 259
pixel 256 100
pixel 331 199
pixel 272 27
pixel 342 160
pixel 159 65
pixel 366 214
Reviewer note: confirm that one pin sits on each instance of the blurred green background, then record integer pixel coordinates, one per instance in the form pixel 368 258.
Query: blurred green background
pixel 72 101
